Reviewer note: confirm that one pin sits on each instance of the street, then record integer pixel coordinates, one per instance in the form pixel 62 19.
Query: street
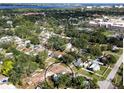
pixel 106 84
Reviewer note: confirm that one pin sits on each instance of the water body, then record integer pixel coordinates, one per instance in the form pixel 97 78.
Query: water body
pixel 47 6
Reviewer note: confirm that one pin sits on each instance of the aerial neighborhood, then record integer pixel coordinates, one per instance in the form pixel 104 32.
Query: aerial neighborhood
pixel 68 48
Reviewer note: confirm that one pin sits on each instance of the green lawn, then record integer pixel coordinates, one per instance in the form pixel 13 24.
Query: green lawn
pixel 0 68
pixel 117 79
pixel 114 54
pixel 93 75
pixel 107 73
pixel 102 70
pixel 50 60
pixel 120 51
pixel 88 74
pixel 117 55
pixel 107 33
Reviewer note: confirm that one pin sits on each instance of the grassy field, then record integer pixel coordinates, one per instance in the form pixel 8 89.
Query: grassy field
pixel 50 61
pixel 112 53
pixel 0 68
pixel 118 78
pixel 102 70
pixel 88 74
pixel 106 74
pixel 107 33
pixel 93 75
pixel 117 55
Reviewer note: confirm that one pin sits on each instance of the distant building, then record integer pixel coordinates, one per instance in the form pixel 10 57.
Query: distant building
pixel 108 23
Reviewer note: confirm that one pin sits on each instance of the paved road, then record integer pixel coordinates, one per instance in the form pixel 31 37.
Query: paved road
pixel 106 84
pixel 115 69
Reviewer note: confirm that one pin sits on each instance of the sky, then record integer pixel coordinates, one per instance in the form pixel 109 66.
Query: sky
pixel 61 1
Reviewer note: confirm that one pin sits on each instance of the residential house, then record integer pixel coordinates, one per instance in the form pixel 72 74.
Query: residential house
pixel 6 39
pixel 9 55
pixel 86 64
pixel 95 67
pixel 17 40
pixel 45 35
pixel 78 63
pixel 55 77
pixel 50 53
pixel 68 47
pixel 1 62
pixel 114 48
pixel 103 59
pixel 1 49
pixel 57 54
pixel 27 42
pixel 9 23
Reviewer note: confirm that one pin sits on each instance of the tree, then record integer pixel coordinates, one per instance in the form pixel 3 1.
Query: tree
pixel 34 39
pixel 1 56
pixel 84 36
pixel 98 37
pixel 40 58
pixel 15 75
pixel 120 43
pixel 31 67
pixel 115 41
pixel 93 84
pixel 63 81
pixel 109 47
pixel 23 66
pixel 95 50
pixel 104 47
pixel 25 30
pixel 57 43
pixel 45 85
pixel 7 67
pixel 67 59
pixel 6 45
pixel 101 29
pixel 74 54
pixel 78 82
pixel 112 59
pixel 13 50
pixel 80 42
pixel 18 20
